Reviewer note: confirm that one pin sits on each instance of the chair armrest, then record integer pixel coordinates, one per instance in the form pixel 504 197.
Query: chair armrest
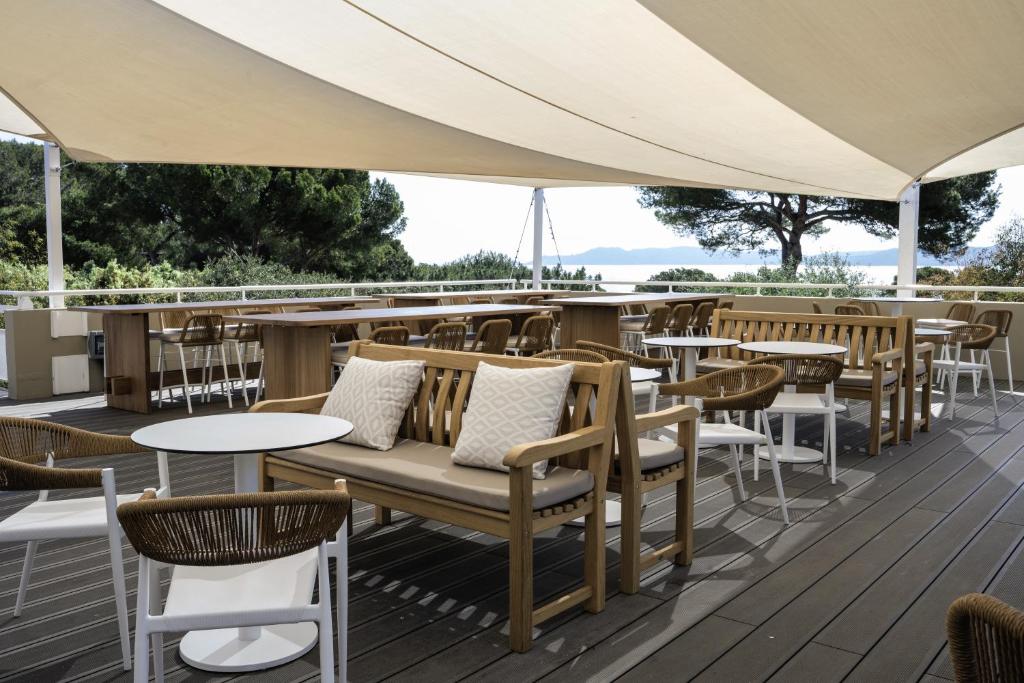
pixel 526 454
pixel 663 418
pixel 924 349
pixel 21 476
pixel 886 356
pixel 693 387
pixel 302 404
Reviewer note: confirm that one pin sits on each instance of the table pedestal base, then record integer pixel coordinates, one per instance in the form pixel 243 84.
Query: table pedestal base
pixel 223 649
pixel 799 454
pixel 612 515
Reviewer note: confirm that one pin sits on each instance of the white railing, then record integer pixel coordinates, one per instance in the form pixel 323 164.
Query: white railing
pixel 24 297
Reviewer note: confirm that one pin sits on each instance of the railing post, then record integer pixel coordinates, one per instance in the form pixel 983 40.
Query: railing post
pixel 352 290
pixel 440 288
pixel 243 293
pixel 24 302
pixel 178 296
pixel 671 289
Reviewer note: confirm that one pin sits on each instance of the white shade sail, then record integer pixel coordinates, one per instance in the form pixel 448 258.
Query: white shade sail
pixel 801 96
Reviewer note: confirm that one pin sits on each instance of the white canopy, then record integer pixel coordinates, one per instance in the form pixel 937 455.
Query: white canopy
pixel 804 96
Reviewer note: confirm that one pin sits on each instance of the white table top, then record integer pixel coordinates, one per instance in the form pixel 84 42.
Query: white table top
pixel 899 299
pixel 807 348
pixel 940 322
pixel 691 342
pixel 932 332
pixel 241 433
pixel 643 374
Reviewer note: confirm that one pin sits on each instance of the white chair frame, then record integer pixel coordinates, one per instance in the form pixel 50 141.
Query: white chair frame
pixel 801 406
pixel 950 369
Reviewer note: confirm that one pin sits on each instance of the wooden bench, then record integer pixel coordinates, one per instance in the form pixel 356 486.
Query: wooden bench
pixel 418 477
pixel 877 347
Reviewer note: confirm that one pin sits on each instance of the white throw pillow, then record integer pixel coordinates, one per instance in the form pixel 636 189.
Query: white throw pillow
pixel 508 407
pixel 374 395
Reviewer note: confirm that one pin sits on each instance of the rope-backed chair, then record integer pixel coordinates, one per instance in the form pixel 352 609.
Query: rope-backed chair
pixel 961 310
pixel 241 337
pixel 702 317
pixel 807 371
pixel 447 337
pixel 1001 319
pixel 201 332
pixel 397 335
pixel 745 388
pixel 967 338
pixel 652 326
pixel 212 542
pixel 534 336
pixel 572 355
pixel 28 451
pixel 678 323
pixel 816 308
pixel 492 337
pixel 635 360
pixel 849 309
pixel 986 639
pixel 534 300
pixel 869 307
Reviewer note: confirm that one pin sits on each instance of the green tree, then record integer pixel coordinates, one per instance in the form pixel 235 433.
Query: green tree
pixel 490 265
pixel 676 275
pixel 735 221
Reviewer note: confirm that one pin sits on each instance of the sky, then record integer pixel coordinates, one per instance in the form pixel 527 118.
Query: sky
pixel 451 218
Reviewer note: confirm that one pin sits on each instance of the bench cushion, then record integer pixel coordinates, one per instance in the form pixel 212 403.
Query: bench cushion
pixel 657 454
pixel 426 468
pixel 862 378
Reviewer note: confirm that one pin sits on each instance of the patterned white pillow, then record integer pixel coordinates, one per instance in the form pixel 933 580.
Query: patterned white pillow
pixel 508 407
pixel 374 395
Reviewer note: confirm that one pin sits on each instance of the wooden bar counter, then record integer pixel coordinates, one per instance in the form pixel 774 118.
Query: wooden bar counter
pixel 596 318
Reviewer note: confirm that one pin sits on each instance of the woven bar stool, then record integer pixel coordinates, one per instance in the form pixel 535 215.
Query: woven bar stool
pixel 967 338
pixel 239 560
pixel 534 336
pixel 28 451
pixel 492 337
pixel 447 337
pixel 986 639
pixel 241 337
pixel 701 318
pixel 633 333
pixel 678 323
pixel 200 332
pixel 395 336
pixel 1001 319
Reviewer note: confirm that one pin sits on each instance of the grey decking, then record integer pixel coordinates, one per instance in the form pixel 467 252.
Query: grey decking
pixel 856 589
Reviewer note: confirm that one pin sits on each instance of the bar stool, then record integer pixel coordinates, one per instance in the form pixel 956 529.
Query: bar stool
pixel 447 337
pixel 999 318
pixel 492 337
pixel 701 318
pixel 634 333
pixel 678 323
pixel 397 335
pixel 201 332
pixel 534 336
pixel 971 338
pixel 241 337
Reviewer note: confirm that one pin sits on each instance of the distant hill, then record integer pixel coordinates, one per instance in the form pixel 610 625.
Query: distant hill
pixel 695 256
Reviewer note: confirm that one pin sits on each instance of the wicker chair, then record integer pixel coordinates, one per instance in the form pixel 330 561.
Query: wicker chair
pixel 807 371
pixel 397 335
pixel 869 307
pixel 28 449
pixel 702 317
pixel 447 337
pixel 961 310
pixel 572 356
pixel 986 640
pixel 635 360
pixel 652 326
pixel 200 332
pixel 748 387
pixel 291 534
pixel 849 309
pixel 678 323
pixel 967 338
pixel 534 336
pixel 492 337
pixel 1001 319
pixel 816 308
pixel 535 301
pixel 240 338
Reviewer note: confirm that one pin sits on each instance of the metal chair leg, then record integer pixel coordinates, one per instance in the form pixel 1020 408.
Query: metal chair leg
pixel 184 379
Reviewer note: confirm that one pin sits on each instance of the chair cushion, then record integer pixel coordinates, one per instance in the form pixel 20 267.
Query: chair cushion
pixel 862 378
pixel 373 396
pixel 508 407
pixel 718 434
pixel 657 454
pixel 714 363
pixel 339 353
pixel 73 518
pixel 427 468
pixel 919 368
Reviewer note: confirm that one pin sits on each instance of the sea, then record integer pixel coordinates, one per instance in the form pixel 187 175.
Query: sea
pixel 874 274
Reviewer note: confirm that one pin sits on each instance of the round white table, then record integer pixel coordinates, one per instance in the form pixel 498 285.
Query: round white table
pixel 932 332
pixel 643 374
pixel 245 436
pixel 687 348
pixel 896 302
pixel 790 452
pixel 939 323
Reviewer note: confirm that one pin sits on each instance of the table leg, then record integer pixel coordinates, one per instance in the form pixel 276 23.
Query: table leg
pixel 689 368
pixel 789 451
pixel 252 648
pixel 126 361
pixel 590 323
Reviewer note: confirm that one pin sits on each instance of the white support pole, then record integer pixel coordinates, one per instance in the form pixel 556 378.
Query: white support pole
pixel 910 209
pixel 54 231
pixel 538 235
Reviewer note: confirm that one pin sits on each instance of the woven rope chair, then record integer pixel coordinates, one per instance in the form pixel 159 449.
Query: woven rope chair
pixel 201 331
pixel 447 337
pixel 534 336
pixel 744 388
pixel 345 332
pixel 679 320
pixel 534 300
pixel 971 338
pixel 197 533
pixel 986 639
pixel 395 335
pixel 1001 319
pixel 174 320
pixel 807 371
pixel 652 326
pixel 849 309
pixel 28 449
pixel 492 337
pixel 239 338
pixel 702 317
pixel 961 310
pixel 634 359
pixel 869 307
pixel 572 355
pixel 815 308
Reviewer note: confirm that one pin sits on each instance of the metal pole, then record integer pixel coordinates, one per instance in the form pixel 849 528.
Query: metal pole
pixel 538 235
pixel 910 209
pixel 54 232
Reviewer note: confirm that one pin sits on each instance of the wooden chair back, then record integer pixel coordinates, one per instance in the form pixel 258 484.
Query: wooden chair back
pixel 395 335
pixel 492 337
pixel 447 336
pixel 535 334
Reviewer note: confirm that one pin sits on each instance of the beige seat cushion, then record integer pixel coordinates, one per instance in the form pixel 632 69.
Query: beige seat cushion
pixel 657 454
pixel 712 364
pixel 426 468
pixel 862 378
pixel 919 368
pixel 632 327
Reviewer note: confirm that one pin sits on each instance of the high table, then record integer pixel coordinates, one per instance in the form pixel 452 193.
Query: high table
pixel 896 302
pixel 596 318
pixel 245 436
pixel 790 452
pixel 297 346
pixel 128 379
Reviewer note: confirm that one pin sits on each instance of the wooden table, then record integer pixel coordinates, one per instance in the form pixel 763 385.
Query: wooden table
pixel 417 299
pixel 297 346
pixel 596 318
pixel 128 378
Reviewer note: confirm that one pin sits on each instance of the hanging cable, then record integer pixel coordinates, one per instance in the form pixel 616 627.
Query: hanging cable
pixel 515 260
pixel 551 228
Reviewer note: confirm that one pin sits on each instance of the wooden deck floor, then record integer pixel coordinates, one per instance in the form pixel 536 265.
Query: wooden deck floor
pixel 856 589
